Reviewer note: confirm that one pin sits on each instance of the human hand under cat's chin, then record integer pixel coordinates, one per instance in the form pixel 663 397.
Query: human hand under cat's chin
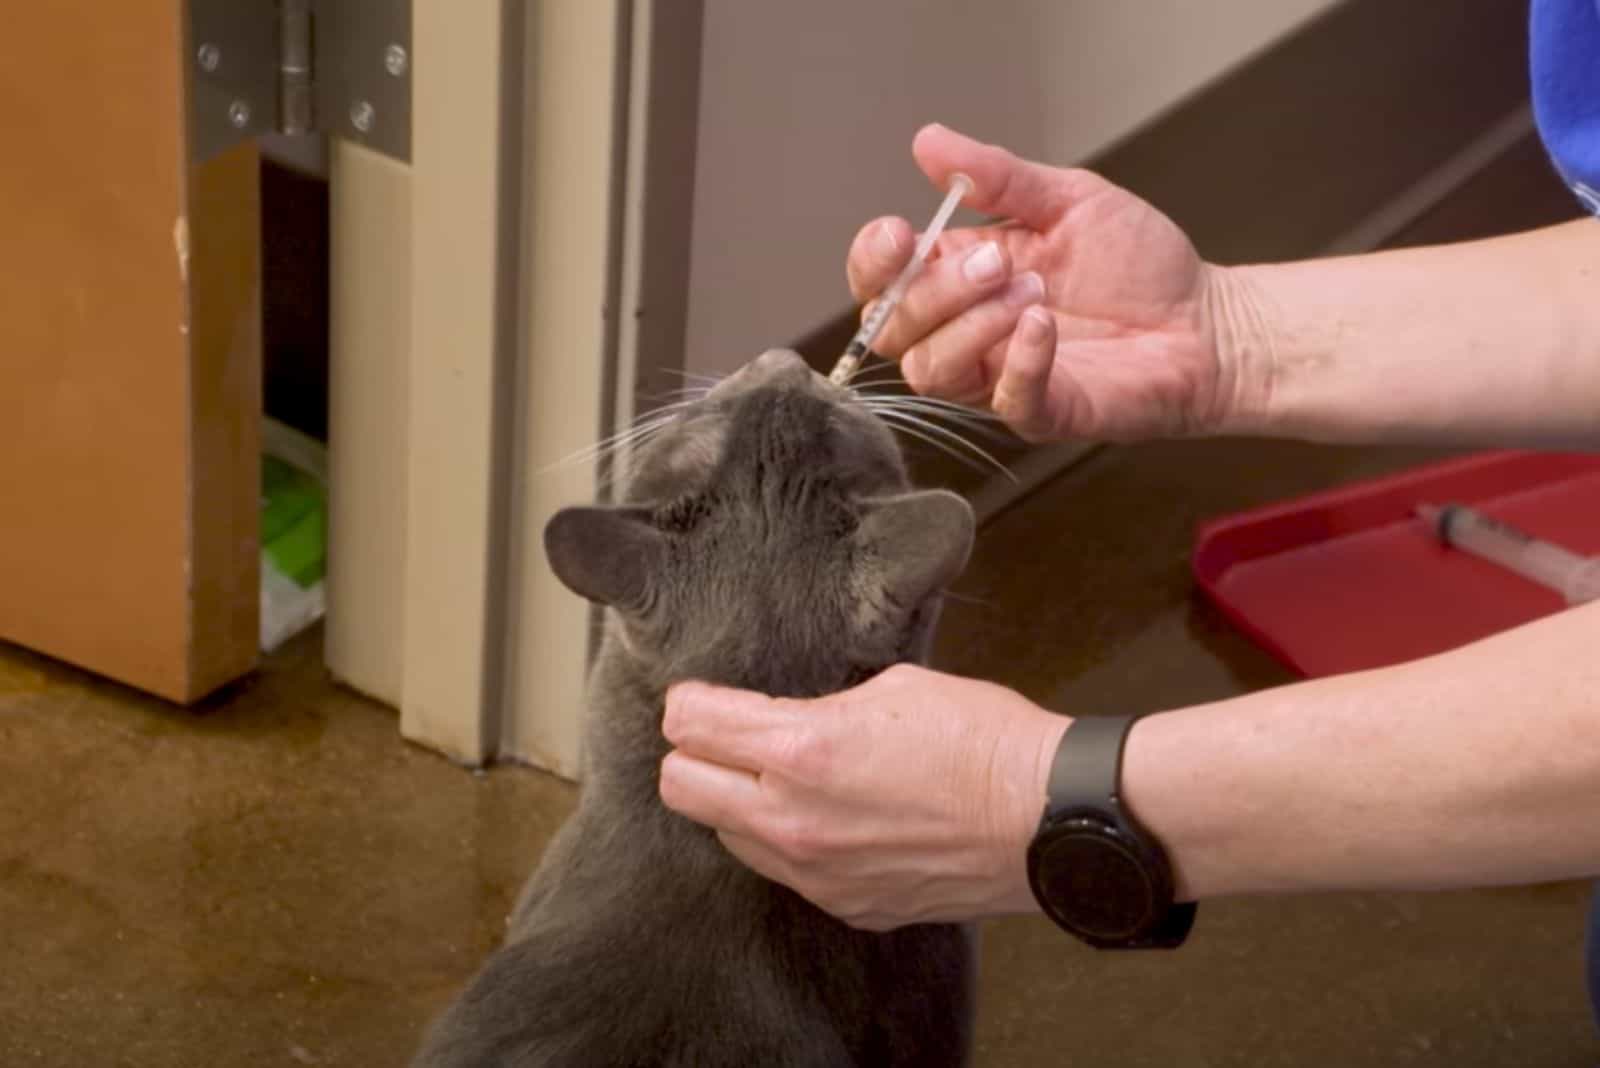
pixel 908 799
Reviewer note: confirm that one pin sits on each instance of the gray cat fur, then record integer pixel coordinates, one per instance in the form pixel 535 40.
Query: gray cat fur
pixel 767 540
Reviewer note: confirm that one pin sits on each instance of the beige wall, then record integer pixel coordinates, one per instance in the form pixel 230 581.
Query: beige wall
pixel 807 112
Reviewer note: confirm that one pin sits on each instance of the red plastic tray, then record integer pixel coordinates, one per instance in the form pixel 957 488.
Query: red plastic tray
pixel 1348 579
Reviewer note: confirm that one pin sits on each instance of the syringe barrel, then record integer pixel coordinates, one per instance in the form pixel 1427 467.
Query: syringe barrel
pixel 1544 563
pixel 960 186
pixel 873 323
pixel 1584 584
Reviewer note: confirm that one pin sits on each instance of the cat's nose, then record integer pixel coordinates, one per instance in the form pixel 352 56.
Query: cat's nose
pixel 780 367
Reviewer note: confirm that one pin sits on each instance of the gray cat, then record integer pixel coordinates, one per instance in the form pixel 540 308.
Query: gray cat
pixel 768 539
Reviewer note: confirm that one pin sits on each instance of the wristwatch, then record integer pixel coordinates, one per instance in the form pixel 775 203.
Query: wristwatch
pixel 1093 869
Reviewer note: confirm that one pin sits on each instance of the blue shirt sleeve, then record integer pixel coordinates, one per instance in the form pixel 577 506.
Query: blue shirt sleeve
pixel 1564 58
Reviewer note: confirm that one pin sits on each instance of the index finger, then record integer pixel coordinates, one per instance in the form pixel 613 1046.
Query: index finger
pixel 880 249
pixel 734 728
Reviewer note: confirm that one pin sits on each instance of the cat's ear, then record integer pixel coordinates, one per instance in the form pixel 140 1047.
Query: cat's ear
pixel 609 555
pixel 918 542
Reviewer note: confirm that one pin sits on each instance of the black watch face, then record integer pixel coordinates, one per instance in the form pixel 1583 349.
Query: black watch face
pixel 1093 880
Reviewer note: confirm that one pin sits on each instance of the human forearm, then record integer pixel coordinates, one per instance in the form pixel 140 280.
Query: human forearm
pixel 1476 767
pixel 1494 341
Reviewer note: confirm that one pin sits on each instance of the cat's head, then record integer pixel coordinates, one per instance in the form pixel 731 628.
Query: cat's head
pixel 768 538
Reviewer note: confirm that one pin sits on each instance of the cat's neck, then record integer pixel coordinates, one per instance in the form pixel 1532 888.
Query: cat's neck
pixel 625 701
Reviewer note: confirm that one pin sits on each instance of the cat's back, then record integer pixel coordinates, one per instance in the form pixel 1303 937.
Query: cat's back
pixel 522 1014
pixel 774 983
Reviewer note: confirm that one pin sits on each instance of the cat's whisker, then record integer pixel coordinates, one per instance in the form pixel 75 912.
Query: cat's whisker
pixel 648 429
pixel 640 429
pixel 616 458
pixel 686 399
pixel 989 432
pixel 949 406
pixel 942 443
pixel 634 434
pixel 642 422
pixel 960 457
pixel 930 402
pixel 891 391
pixel 889 387
pixel 646 426
pixel 923 420
pixel 875 374
pixel 877 363
pixel 905 420
pixel 967 418
pixel 881 388
pixel 693 376
pixel 693 393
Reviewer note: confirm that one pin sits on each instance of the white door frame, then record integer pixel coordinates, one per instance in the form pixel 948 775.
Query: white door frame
pixel 495 303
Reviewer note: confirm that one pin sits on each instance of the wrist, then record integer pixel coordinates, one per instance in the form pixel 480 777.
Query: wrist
pixel 1246 339
pixel 1023 796
pixel 1175 782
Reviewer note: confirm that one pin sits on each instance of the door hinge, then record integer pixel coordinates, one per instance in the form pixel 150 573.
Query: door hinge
pixel 339 67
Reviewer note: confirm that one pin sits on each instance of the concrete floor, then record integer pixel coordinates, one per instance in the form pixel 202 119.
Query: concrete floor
pixel 277 879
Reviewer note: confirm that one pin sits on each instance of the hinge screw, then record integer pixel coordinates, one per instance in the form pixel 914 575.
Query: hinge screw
pixel 239 114
pixel 210 57
pixel 361 115
pixel 395 60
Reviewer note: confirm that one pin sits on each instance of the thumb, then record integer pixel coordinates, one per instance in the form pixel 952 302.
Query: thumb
pixel 1003 185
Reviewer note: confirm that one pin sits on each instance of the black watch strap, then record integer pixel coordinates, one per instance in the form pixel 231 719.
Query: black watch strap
pixel 1087 769
pixel 1086 775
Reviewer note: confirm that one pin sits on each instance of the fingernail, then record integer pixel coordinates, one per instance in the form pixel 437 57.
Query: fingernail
pixel 911 366
pixel 1024 289
pixel 1034 325
pixel 884 243
pixel 983 264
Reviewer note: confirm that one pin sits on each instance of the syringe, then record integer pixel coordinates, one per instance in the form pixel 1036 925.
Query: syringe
pixel 1577 578
pixel 960 186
